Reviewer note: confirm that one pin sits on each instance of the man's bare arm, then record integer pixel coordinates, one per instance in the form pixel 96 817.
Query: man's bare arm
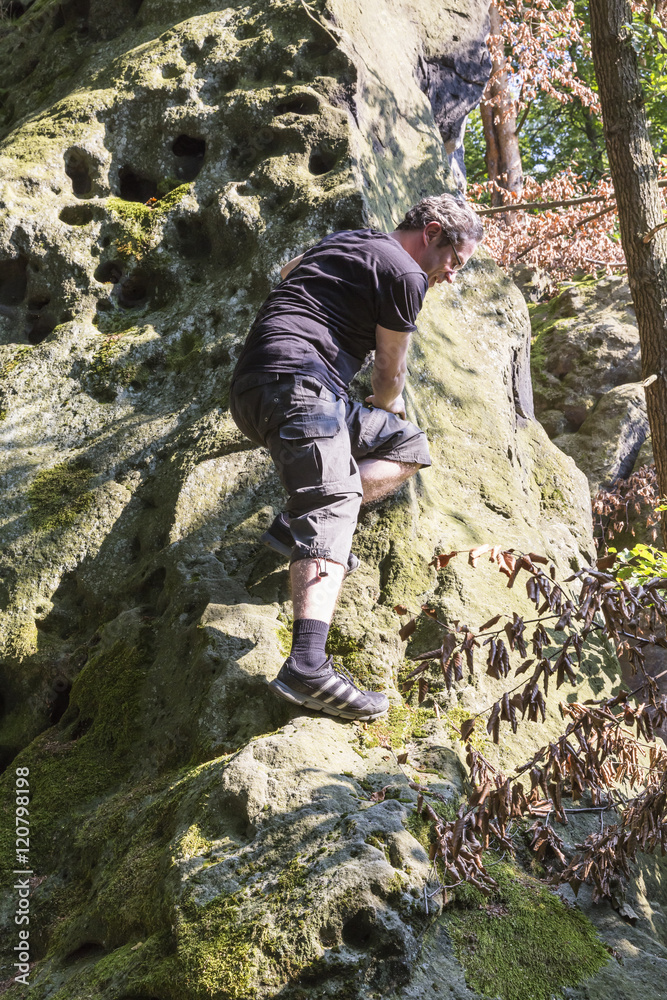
pixel 389 370
pixel 289 266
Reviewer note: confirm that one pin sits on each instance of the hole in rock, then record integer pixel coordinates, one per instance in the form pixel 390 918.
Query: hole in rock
pixel 87 950
pixel 134 291
pixel 186 145
pixel 38 328
pixel 75 13
pixel 77 169
pixel 171 71
pixel 29 68
pixel 358 930
pixel 317 50
pixel 59 701
pixel 190 155
pixel 109 271
pixel 133 187
pixel 76 215
pixel 12 9
pixel 38 301
pixel 298 104
pixel 321 161
pixel 228 81
pixel 103 305
pixel 13 281
pixel 193 239
pixel 135 6
pixel 247 30
pixel 151 588
pixel 7 755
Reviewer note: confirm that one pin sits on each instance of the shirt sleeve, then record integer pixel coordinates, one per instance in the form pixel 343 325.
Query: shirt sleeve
pixel 401 300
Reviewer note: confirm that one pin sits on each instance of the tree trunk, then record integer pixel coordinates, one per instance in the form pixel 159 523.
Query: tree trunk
pixel 503 159
pixel 635 176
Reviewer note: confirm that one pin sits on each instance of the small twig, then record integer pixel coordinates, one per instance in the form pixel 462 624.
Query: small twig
pixel 590 809
pixel 425 900
pixel 319 24
pixel 647 237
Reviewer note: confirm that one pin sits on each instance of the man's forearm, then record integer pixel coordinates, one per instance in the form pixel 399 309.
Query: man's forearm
pixel 387 388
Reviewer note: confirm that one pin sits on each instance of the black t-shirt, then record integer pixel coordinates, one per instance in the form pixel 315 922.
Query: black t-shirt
pixel 321 319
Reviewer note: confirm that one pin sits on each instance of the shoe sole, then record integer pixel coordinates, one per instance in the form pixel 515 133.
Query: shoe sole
pixel 302 699
pixel 274 543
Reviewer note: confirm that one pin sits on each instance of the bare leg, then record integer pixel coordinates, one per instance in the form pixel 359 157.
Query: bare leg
pixel 380 476
pixel 314 596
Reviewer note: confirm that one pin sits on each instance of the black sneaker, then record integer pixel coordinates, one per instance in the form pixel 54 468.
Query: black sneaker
pixel 330 691
pixel 279 538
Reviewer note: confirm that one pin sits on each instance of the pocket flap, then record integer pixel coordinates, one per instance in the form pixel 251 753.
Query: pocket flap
pixel 312 426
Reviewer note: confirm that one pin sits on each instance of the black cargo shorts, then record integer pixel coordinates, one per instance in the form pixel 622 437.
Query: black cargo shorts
pixel 315 439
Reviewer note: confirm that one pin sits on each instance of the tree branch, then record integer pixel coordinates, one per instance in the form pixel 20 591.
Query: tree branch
pixel 543 205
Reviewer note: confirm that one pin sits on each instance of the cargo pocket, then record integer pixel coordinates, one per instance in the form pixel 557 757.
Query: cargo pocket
pixel 310 426
pixel 315 446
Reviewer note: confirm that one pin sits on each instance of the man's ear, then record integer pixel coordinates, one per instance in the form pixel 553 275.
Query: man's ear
pixel 432 231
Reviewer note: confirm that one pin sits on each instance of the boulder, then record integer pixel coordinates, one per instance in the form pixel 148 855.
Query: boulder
pixel 586 367
pixel 585 342
pixel 191 835
pixel 607 444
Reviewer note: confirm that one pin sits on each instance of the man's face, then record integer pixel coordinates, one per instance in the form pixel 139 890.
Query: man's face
pixel 440 262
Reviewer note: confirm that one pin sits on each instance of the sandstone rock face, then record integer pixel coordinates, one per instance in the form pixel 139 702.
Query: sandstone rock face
pixel 607 444
pixel 586 368
pixel 192 836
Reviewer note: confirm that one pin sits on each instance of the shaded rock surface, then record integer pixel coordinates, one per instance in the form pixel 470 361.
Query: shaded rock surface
pixel 586 369
pixel 192 835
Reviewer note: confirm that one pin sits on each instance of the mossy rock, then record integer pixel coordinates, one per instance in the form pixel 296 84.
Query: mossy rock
pixel 195 835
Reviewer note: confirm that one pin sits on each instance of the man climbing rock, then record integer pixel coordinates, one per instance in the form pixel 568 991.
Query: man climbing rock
pixel 353 292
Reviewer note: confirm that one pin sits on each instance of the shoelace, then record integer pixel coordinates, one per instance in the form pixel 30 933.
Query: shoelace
pixel 344 675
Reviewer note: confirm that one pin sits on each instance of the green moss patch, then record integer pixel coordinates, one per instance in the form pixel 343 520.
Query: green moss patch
pixel 15 361
pixel 59 496
pixel 214 950
pixel 185 352
pixel 398 727
pixel 523 942
pixel 93 753
pixel 453 720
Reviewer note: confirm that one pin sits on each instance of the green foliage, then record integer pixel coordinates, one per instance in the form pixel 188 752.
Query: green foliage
pixel 59 496
pixel 649 42
pixel 554 136
pixel 523 942
pixel 641 563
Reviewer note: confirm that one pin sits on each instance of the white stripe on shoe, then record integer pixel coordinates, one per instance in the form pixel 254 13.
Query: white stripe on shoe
pixel 336 694
pixel 327 684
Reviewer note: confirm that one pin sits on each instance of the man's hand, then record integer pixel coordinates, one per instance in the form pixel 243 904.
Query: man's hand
pixel 395 406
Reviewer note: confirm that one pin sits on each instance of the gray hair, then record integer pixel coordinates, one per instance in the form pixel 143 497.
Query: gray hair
pixel 459 223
